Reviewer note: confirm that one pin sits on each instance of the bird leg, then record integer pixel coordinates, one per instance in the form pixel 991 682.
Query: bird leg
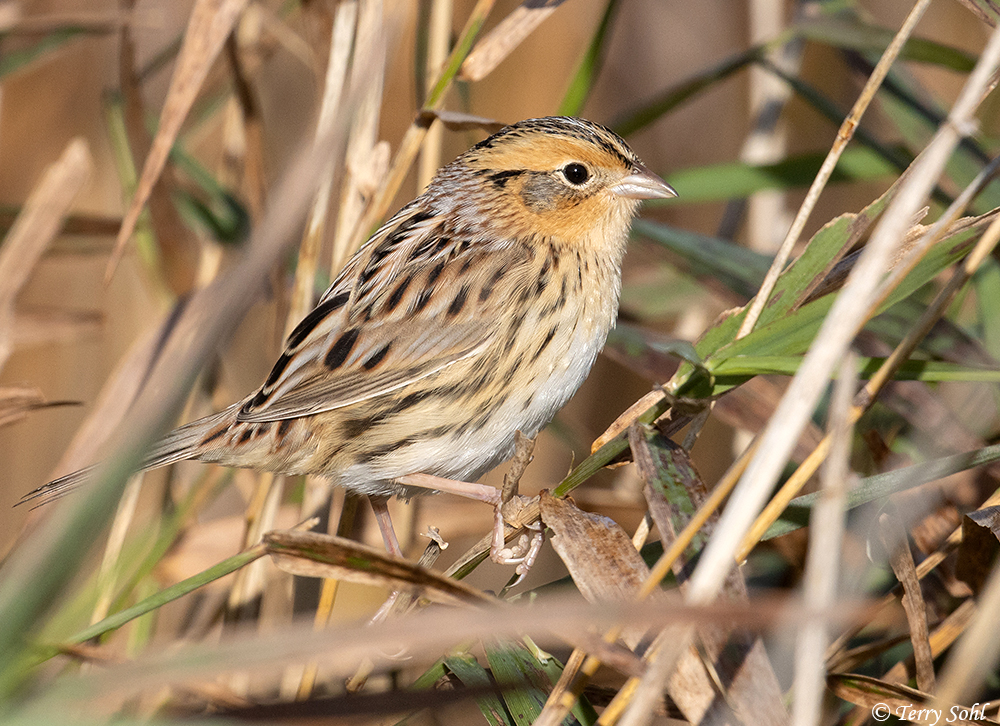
pixel 521 553
pixel 381 508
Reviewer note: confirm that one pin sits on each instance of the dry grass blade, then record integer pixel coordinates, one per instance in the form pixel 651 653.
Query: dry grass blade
pixel 415 134
pixel 210 25
pixel 430 632
pixel 245 597
pixel 626 419
pixel 826 535
pixel 36 226
pixel 245 134
pixel 367 159
pixel 313 554
pixel 179 258
pixel 504 38
pixel 107 575
pixel 459 121
pixel 303 292
pixel 438 43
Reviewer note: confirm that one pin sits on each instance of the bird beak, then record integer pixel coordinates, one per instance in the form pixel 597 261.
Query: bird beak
pixel 643 184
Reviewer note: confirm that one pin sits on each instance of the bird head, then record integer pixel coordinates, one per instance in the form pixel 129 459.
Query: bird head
pixel 556 177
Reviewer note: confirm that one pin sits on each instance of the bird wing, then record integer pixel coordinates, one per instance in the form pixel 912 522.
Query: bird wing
pixel 390 319
pixel 413 353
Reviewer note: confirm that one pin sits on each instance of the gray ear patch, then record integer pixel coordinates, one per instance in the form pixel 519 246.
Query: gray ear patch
pixel 542 192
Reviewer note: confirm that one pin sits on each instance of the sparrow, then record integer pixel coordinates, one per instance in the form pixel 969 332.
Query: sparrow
pixel 473 313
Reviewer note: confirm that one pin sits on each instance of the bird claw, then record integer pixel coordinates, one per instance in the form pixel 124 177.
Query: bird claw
pixel 522 553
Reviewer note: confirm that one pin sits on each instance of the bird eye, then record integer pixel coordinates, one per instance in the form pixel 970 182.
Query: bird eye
pixel 575 174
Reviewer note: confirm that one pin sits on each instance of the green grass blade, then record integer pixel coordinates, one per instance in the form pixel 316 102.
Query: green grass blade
pixel 893 156
pixel 879 486
pixel 458 54
pixel 916 123
pixel 678 94
pixel 738 268
pixel 850 33
pixel 987 284
pixel 522 679
pixel 590 66
pixel 16 60
pixel 734 180
pixel 743 367
pixel 473 675
pixel 182 588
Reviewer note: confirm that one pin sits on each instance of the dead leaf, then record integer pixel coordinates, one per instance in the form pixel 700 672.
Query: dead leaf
pixel 979 547
pixel 596 551
pixel 458 121
pixel 901 559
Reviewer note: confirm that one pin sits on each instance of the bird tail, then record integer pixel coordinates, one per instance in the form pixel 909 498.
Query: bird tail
pixel 182 443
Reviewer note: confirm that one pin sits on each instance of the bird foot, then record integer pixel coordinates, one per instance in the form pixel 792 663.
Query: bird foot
pixel 521 552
